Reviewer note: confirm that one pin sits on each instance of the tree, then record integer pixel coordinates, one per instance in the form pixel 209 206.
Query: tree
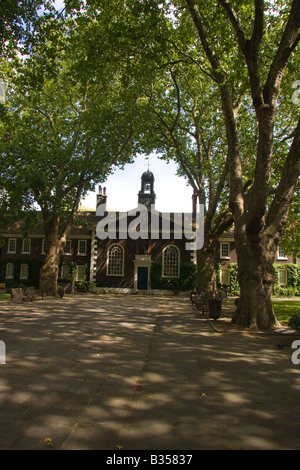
pixel 185 122
pixel 185 125
pixel 17 21
pixel 290 242
pixel 67 124
pixel 263 38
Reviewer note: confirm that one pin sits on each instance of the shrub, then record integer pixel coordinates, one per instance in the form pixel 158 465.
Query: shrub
pixel 294 321
pixel 280 291
pixel 34 267
pixel 292 288
pixel 186 280
pixel 84 286
pixel 293 280
pixel 234 288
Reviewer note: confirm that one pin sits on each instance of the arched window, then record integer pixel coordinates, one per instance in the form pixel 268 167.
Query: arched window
pixel 171 261
pixel 115 261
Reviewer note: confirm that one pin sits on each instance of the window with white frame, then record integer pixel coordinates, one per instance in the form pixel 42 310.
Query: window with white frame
pixel 12 245
pixel 24 271
pixel 9 271
pixel 115 261
pixel 65 271
pixel 80 273
pixel 280 253
pixel 171 261
pixel 82 247
pixel 67 248
pixel 224 250
pixel 44 246
pixel 26 246
pixel 225 276
pixel 282 277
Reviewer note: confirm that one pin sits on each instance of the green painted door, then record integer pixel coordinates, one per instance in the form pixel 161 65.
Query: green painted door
pixel 142 278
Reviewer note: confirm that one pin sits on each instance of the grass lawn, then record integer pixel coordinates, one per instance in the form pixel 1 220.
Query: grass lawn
pixel 4 296
pixel 284 309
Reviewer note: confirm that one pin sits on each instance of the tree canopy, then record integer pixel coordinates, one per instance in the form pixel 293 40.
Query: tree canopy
pixel 209 84
pixel 67 122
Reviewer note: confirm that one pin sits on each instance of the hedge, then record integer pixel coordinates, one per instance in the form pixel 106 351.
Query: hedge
pixel 82 286
pixel 34 268
pixel 293 280
pixel 290 290
pixel 186 280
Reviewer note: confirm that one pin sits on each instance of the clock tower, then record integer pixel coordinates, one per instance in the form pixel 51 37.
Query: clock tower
pixel 147 195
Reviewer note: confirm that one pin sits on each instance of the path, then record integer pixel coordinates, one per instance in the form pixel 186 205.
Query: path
pixel 129 372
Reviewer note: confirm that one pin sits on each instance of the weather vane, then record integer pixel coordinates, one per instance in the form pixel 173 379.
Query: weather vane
pixel 147 158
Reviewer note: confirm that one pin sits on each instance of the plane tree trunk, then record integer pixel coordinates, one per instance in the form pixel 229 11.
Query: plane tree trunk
pixel 256 276
pixel 214 226
pixel 206 271
pixel 54 247
pixel 259 218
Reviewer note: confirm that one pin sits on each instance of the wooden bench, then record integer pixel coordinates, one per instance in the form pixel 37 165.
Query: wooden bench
pixel 206 304
pixel 17 295
pixel 200 300
pixel 35 293
pixel 26 294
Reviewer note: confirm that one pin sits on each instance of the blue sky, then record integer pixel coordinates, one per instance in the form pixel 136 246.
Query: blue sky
pixel 122 187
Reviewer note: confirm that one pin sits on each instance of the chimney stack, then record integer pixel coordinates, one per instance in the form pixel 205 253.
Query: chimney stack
pixel 101 196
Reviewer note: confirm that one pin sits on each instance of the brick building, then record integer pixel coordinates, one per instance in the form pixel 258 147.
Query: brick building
pixel 120 261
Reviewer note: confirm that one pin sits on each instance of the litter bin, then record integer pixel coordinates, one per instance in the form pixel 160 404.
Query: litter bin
pixel 214 308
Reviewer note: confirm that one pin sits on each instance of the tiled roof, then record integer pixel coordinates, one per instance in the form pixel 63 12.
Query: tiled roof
pixel 83 224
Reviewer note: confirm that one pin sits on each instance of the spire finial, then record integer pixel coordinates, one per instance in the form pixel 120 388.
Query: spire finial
pixel 147 158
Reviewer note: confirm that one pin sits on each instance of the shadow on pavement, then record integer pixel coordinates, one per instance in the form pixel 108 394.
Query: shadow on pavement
pixel 138 372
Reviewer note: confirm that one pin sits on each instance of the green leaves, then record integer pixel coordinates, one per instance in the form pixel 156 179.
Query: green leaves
pixel 68 119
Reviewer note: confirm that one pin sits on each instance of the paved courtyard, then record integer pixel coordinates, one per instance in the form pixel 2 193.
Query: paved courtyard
pixel 117 372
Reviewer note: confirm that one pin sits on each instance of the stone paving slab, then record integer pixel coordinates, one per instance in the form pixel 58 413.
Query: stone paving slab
pixel 117 372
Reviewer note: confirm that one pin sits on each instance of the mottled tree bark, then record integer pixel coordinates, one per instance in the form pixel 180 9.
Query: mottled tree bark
pixel 56 231
pixel 256 277
pixel 206 271
pixel 54 247
pixel 259 223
